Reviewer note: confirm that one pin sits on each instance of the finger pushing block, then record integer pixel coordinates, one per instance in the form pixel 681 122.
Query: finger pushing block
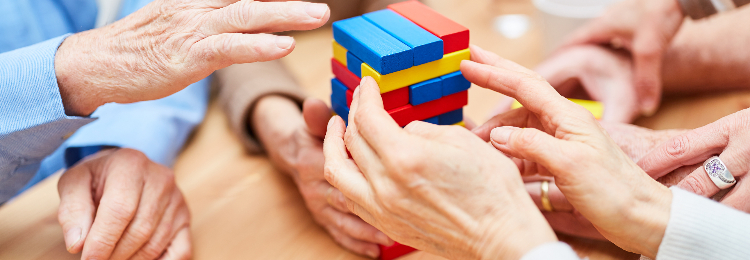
pixel 454 83
pixel 425 91
pixel 455 36
pixel 426 46
pixel 382 51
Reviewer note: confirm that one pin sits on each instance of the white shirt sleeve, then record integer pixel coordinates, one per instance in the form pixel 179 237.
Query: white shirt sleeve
pixel 549 251
pixel 700 228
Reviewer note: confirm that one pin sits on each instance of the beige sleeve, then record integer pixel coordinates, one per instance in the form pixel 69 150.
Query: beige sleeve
pixel 240 86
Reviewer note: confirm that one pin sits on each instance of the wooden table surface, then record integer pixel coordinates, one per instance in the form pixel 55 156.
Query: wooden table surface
pixel 243 208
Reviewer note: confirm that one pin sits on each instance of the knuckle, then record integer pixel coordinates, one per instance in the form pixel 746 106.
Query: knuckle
pixel 142 232
pixel 152 250
pixel 526 138
pixel 678 146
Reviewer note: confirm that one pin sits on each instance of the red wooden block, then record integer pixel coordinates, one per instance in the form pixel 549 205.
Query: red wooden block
pixel 391 99
pixel 406 114
pixel 455 36
pixel 394 251
pixel 350 80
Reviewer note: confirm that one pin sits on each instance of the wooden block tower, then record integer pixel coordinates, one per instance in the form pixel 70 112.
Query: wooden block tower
pixel 414 54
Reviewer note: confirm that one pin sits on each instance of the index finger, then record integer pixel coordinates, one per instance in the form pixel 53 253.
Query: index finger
pixel 686 149
pixel 117 208
pixel 340 171
pixel 375 125
pixel 528 88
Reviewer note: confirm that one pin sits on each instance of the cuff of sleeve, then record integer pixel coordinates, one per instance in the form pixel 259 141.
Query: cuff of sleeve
pixel 556 250
pixel 700 228
pixel 158 128
pixel 242 85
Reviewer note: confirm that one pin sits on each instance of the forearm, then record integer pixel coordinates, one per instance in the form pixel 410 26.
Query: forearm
pixel 709 54
pixel 242 86
pixel 274 121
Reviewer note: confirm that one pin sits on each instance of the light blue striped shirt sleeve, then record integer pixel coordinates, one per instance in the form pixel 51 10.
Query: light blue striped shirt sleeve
pixel 33 120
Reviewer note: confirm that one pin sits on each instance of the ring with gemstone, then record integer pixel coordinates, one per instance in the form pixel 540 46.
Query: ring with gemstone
pixel 718 172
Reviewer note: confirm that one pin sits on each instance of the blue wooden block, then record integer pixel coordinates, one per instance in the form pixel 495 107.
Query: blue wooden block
pixel 377 48
pixel 338 91
pixel 340 109
pixel 426 46
pixel 452 117
pixel 454 83
pixel 425 91
pixel 354 64
pixel 433 120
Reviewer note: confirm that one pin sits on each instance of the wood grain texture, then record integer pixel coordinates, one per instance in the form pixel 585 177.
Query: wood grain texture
pixel 243 208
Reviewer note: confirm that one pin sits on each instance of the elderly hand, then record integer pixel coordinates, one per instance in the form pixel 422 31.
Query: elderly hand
pixel 596 73
pixel 170 44
pixel 117 204
pixel 636 142
pixel 645 28
pixel 295 146
pixel 728 138
pixel 436 188
pixel 564 140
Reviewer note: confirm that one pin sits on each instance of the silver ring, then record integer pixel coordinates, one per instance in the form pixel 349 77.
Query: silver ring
pixel 718 172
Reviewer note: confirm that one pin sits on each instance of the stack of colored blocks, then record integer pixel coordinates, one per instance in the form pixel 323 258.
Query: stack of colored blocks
pixel 413 53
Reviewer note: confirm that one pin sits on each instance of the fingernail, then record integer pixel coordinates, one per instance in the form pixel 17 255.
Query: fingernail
pixel 372 254
pixel 502 134
pixel 284 42
pixel 72 238
pixel 330 122
pixel 316 11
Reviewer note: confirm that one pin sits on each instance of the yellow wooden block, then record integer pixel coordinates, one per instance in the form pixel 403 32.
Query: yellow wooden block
pixel 461 124
pixel 450 63
pixel 339 53
pixel 596 108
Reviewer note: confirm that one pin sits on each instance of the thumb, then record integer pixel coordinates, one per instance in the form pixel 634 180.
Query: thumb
pixel 77 209
pixel 316 115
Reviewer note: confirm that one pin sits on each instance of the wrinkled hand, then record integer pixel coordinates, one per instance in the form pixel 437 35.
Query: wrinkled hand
pixel 636 142
pixel 728 138
pixel 564 140
pixel 170 44
pixel 436 188
pixel 295 145
pixel 595 73
pixel 117 204
pixel 645 28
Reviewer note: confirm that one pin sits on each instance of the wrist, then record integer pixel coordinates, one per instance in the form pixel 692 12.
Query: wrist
pixel 78 99
pixel 528 231
pixel 650 215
